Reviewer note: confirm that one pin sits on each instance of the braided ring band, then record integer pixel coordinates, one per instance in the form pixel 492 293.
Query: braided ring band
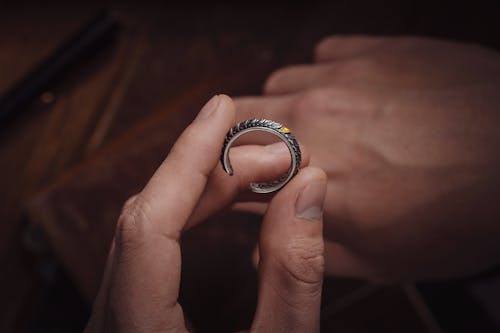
pixel 272 127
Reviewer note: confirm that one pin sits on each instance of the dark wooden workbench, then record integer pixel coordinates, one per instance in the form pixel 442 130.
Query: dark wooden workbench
pixel 91 140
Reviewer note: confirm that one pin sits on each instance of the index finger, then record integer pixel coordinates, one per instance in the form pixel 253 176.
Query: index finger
pixel 141 283
pixel 172 193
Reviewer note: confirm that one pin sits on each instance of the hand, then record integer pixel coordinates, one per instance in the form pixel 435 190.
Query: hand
pixel 140 286
pixel 407 130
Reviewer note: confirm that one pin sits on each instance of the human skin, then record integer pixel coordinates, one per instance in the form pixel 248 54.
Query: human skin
pixel 407 130
pixel 140 286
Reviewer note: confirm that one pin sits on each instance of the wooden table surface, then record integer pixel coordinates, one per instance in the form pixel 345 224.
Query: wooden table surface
pixel 129 102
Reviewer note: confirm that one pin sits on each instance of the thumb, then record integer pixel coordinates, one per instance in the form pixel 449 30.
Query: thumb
pixel 291 257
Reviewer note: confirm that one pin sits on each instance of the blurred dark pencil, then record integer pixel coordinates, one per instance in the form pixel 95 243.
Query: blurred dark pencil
pixel 92 37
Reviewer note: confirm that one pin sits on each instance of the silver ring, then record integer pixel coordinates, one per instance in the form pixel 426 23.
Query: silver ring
pixel 272 127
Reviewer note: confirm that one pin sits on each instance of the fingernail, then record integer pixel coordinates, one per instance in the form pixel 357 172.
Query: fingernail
pixel 209 108
pixel 309 205
pixel 277 148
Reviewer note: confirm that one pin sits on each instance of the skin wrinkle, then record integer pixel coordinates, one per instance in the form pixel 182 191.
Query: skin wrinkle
pixel 278 291
pixel 307 269
pixel 301 254
pixel 133 223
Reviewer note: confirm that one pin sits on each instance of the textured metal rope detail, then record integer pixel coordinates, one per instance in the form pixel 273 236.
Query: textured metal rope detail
pixel 269 126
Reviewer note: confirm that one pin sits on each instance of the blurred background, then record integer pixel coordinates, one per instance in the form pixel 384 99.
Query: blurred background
pixel 93 94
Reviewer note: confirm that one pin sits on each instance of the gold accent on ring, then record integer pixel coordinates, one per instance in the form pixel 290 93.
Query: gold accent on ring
pixel 284 130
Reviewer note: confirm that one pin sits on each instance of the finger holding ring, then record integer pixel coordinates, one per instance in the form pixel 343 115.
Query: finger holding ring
pixel 275 128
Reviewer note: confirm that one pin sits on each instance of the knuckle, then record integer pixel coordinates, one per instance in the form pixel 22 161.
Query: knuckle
pixel 325 44
pixel 314 100
pixel 304 262
pixel 273 80
pixel 129 202
pixel 130 229
pixel 359 65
